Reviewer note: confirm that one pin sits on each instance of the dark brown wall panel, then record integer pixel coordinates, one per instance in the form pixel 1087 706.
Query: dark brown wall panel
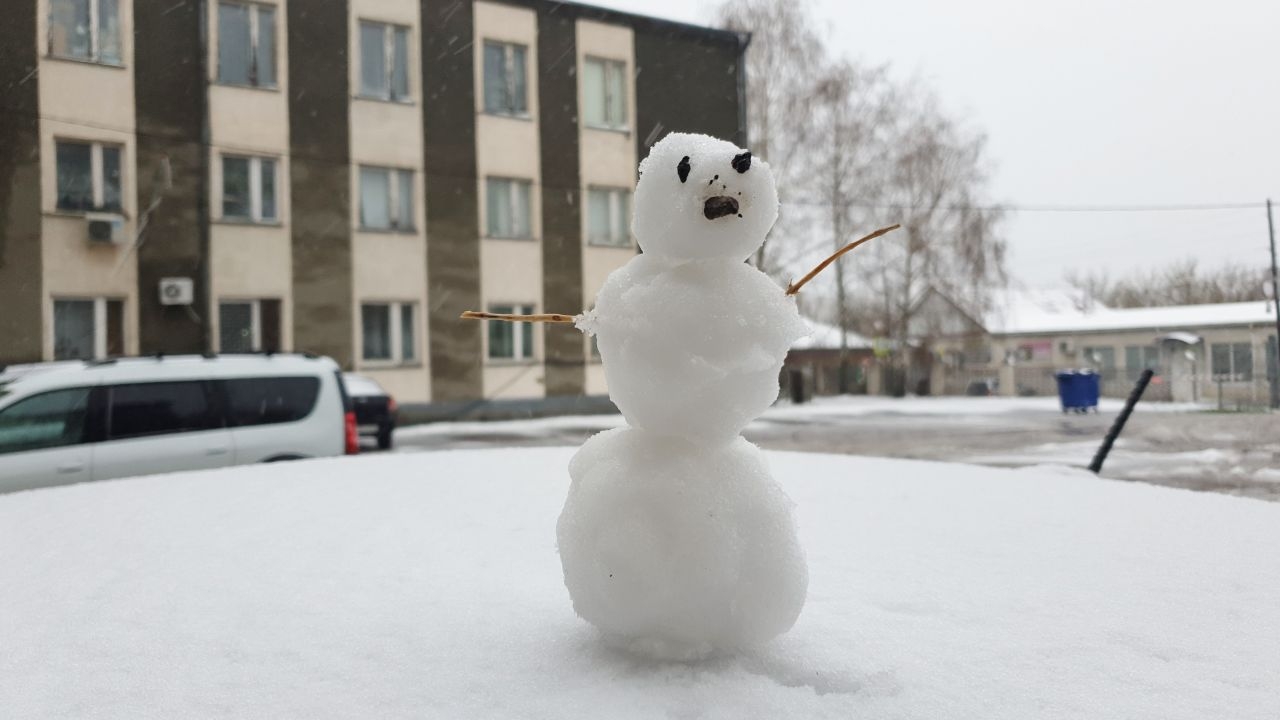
pixel 687 82
pixel 453 231
pixel 561 197
pixel 21 291
pixel 170 102
pixel 320 179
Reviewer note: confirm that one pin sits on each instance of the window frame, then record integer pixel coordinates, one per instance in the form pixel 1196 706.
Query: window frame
pixel 610 67
pixel 394 176
pixel 101 324
pixel 255 216
pixel 97 176
pixel 616 215
pixel 513 205
pixel 1235 374
pixel 519 332
pixel 388 55
pixel 255 323
pixel 95 37
pixel 395 330
pixel 508 77
pixel 254 65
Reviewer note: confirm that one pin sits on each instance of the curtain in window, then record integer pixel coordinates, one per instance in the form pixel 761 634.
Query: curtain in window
pixel 593 92
pixel 498 207
pixel 404 209
pixel 519 101
pixel 375 198
pixel 373 60
pixel 495 79
pixel 268 185
pixel 598 221
pixel 615 94
pixel 233 43
pixel 75 176
pixel 109 31
pixel 622 220
pixel 526 333
pixel 400 64
pixel 73 329
pixel 265 56
pixel 111 178
pixel 69 31
pixel 235 187
pixel 408 341
pixel 501 335
pixel 376 323
pixel 235 327
pixel 521 222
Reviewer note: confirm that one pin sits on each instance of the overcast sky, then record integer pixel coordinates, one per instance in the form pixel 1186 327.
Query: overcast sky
pixel 1092 103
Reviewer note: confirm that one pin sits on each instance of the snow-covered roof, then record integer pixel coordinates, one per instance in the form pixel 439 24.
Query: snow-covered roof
pixel 827 337
pixel 1019 312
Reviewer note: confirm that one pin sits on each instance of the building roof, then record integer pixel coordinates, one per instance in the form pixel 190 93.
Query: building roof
pixel 1034 312
pixel 827 337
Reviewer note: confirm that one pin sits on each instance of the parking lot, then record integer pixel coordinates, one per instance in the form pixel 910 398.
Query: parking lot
pixel 1177 446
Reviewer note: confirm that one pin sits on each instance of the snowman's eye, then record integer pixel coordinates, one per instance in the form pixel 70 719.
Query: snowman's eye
pixel 742 163
pixel 683 169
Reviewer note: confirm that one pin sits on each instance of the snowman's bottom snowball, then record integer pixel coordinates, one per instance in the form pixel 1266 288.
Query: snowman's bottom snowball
pixel 679 550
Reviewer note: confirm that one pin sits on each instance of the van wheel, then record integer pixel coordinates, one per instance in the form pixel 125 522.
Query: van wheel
pixel 384 438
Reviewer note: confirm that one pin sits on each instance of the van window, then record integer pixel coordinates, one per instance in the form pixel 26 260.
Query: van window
pixel 160 408
pixel 47 420
pixel 269 400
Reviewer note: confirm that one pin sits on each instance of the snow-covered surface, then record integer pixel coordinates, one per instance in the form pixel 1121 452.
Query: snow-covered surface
pixel 1027 312
pixel 827 337
pixel 428 585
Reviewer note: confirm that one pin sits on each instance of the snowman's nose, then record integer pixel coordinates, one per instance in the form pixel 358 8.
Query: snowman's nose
pixel 719 206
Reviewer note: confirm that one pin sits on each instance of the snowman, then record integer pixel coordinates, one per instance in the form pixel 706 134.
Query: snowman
pixel 676 542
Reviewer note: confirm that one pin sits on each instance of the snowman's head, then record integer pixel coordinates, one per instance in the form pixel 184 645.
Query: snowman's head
pixel 699 198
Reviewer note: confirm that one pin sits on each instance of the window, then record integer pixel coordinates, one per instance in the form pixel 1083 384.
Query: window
pixel 1232 361
pixel 1140 357
pixel 608 213
pixel 249 189
pixel 143 409
pixel 246 44
pixel 88 329
pixel 386 199
pixel 266 401
pixel 389 332
pixel 505 78
pixel 246 326
pixel 510 341
pixel 384 61
pixel 48 420
pixel 604 93
pixel 88 176
pixel 1103 359
pixel 507 207
pixel 85 30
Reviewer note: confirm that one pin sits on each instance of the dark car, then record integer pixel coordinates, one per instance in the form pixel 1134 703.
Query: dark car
pixel 375 409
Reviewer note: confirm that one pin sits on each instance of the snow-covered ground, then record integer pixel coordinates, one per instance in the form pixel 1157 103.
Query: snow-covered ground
pixel 427 585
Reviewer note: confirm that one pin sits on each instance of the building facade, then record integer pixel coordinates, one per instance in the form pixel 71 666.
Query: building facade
pixel 341 177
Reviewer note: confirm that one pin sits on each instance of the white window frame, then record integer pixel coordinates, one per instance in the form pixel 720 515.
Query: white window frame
pixel 388 59
pixel 96 178
pixel 608 66
pixel 393 199
pixel 1236 375
pixel 255 321
pixel 509 77
pixel 513 207
pixel 95 41
pixel 395 310
pixel 615 215
pixel 518 332
pixel 255 81
pixel 99 323
pixel 255 188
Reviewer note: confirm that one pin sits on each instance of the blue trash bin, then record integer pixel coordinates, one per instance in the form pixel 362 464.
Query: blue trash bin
pixel 1078 390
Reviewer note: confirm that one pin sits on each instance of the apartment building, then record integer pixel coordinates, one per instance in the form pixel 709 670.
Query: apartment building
pixel 343 177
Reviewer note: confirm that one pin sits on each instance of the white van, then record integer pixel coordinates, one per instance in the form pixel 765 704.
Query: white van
pixel 67 422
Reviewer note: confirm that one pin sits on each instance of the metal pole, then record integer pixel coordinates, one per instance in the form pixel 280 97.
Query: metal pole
pixel 1118 425
pixel 1275 304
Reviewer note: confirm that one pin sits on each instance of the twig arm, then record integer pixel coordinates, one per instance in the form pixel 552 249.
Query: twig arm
pixel 506 317
pixel 794 287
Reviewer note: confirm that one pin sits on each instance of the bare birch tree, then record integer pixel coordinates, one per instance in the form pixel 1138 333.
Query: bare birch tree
pixel 1179 283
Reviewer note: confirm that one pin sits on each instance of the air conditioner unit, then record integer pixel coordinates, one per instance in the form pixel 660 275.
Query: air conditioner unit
pixel 105 227
pixel 177 291
pixel 1067 347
